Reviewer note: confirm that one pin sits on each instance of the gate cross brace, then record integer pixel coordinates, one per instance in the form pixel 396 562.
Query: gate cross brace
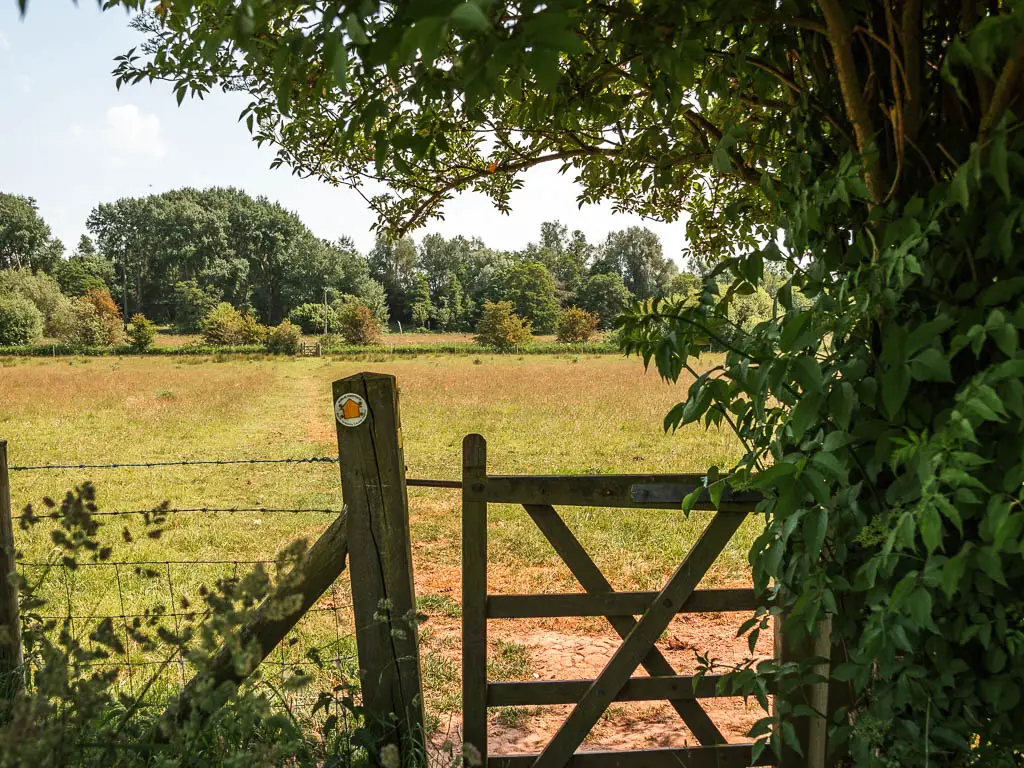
pixel 638 643
pixel 590 577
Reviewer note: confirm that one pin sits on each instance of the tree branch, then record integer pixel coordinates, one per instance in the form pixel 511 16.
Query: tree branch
pixel 910 39
pixel 1006 90
pixel 841 39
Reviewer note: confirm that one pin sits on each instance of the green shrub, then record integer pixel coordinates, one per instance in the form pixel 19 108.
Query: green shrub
pixel 42 290
pixel 284 339
pixel 226 326
pixel 500 327
pixel 252 331
pixel 140 333
pixel 191 306
pixel 20 321
pixel 357 324
pixel 310 318
pixel 576 326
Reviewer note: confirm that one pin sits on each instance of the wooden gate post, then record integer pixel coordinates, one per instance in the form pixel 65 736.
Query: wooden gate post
pixel 11 679
pixel 811 731
pixel 383 597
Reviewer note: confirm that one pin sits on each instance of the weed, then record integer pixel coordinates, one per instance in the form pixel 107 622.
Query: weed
pixel 509 661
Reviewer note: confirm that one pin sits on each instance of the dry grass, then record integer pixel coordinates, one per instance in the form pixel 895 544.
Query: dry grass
pixel 539 415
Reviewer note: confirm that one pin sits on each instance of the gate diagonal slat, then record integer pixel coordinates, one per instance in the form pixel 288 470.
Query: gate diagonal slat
pixel 638 642
pixel 591 579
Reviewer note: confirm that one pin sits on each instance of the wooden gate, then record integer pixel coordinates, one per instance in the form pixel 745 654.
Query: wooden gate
pixel 539 495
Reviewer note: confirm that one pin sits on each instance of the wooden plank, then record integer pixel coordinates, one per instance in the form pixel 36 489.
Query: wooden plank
pixel 592 580
pixel 613 604
pixel 722 756
pixel 474 597
pixel 12 677
pixel 598 491
pixel 276 617
pixel 412 482
pixel 639 642
pixel 546 692
pixel 383 597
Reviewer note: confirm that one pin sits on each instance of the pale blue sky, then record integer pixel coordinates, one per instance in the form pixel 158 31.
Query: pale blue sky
pixel 71 140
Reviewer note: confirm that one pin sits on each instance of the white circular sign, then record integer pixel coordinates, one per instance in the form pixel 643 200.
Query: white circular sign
pixel 350 410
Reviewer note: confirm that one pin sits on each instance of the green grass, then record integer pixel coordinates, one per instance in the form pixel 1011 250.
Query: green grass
pixel 540 415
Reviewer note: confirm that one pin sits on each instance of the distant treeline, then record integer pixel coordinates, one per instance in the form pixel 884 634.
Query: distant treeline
pixel 174 256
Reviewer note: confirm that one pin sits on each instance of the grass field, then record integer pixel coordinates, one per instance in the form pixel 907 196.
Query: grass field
pixel 540 414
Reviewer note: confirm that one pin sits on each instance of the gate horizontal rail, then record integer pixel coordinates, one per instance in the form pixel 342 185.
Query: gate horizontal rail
pixel 620 491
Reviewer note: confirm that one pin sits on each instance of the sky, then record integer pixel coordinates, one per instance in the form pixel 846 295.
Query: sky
pixel 72 140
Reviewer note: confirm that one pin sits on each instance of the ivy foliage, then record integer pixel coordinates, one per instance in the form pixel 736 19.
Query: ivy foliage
pixel 870 151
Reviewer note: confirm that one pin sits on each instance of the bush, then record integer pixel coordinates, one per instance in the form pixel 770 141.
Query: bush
pixel 357 324
pixel 310 318
pixel 140 333
pixel 191 306
pixel 500 327
pixel 226 326
pixel 20 321
pixel 108 315
pixel 576 326
pixel 42 290
pixel 284 339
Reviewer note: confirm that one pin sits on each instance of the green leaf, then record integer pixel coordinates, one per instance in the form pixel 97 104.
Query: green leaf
pixel 804 414
pixel 895 385
pixel 930 365
pixel 340 68
pixel 468 16
pixel 840 404
pixel 997 163
pixel 930 525
pixel 958 192
pixel 952 573
pixel 836 440
pixel 815 525
pixel 355 30
pixel 690 499
pixel 721 161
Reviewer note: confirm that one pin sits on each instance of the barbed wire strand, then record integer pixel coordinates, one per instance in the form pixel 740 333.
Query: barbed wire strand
pixel 183 463
pixel 184 510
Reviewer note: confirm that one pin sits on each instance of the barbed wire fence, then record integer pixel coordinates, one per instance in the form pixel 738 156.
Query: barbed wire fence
pixel 166 593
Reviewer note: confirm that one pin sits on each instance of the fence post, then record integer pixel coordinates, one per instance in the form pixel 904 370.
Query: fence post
pixel 474 596
pixel 11 660
pixel 811 732
pixel 380 554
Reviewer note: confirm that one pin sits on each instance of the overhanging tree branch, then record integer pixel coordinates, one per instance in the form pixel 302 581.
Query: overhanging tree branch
pixel 1006 90
pixel 841 39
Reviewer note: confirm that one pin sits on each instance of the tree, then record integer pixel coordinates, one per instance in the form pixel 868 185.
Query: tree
pixel 248 251
pixel 86 269
pixel 421 308
pixel 392 263
pixel 606 296
pixel 566 259
pixel 531 289
pixel 635 255
pixel 873 151
pixel 686 284
pixel 25 239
